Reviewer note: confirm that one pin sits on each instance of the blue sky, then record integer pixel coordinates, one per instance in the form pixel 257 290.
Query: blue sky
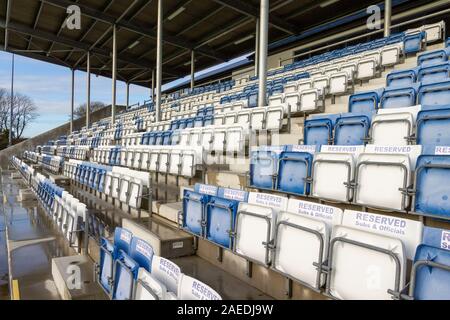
pixel 49 86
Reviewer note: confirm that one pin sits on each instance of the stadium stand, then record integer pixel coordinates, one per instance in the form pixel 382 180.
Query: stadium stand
pixel 349 186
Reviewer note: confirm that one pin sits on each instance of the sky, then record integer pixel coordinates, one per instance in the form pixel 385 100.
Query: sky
pixel 49 86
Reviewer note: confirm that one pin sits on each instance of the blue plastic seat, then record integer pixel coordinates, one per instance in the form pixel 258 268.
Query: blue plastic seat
pixel 294 172
pixel 221 215
pixel 125 274
pixel 253 99
pixel 397 97
pixel 431 185
pixel 198 122
pixel 433 126
pixel 194 206
pixel 167 138
pixel 319 130
pixel 142 253
pixel 433 57
pixel 432 266
pixel 401 78
pixel 208 120
pixel 365 102
pixel 434 94
pixel 263 168
pixel 413 42
pixel 351 129
pixel 190 123
pixel 434 73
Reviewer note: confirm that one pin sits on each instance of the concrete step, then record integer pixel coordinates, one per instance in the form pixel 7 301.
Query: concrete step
pixel 167 241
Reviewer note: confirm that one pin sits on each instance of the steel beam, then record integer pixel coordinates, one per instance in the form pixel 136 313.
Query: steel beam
pixel 114 76
pixel 387 17
pixel 159 43
pixel 263 43
pixel 88 90
pixel 245 7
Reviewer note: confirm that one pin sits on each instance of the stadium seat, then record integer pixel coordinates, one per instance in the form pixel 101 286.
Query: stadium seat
pixel 148 288
pixel 382 175
pixel 431 267
pixel 318 130
pixel 255 226
pixel 378 248
pixel 434 73
pixel 305 229
pixel 351 129
pixel 264 167
pixel 431 189
pixel 194 207
pixel 399 97
pixel 433 125
pixel 142 253
pixel 433 57
pixel 413 42
pixel 437 94
pixel 166 272
pixel 401 78
pixel 332 172
pixel 125 274
pixel 221 214
pixel 193 289
pixel 394 127
pixel 365 102
pixel 294 172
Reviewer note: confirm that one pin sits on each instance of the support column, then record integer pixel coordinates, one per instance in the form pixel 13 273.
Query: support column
pixel 128 95
pixel 192 69
pixel 72 103
pixel 387 17
pixel 11 107
pixel 153 86
pixel 257 47
pixel 263 39
pixel 159 60
pixel 88 103
pixel 114 76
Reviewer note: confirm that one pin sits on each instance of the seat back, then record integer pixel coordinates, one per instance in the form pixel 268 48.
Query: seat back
pixel 401 78
pixel 437 94
pixel 255 226
pixel 432 189
pixel 192 289
pixel 378 247
pixel 263 167
pixel 433 125
pixel 364 102
pixel 166 272
pixel 142 253
pixel 294 172
pixel 398 97
pixel 434 73
pixel 305 229
pixel 125 273
pixel 351 130
pixel 432 261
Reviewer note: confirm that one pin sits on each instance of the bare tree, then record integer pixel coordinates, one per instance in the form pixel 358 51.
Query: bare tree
pixel 24 112
pixel 80 112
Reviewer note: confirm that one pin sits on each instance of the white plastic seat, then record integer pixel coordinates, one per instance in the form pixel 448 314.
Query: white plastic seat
pixel 366 68
pixel 381 173
pixel 390 55
pixel 310 100
pixel 166 272
pixel 378 248
pixel 322 83
pixel 255 225
pixel 298 231
pixel 149 288
pixel 257 118
pixel 230 118
pixel 193 289
pixel 339 83
pixel 332 171
pixel 293 100
pixel 243 117
pixel 274 118
pixel 393 127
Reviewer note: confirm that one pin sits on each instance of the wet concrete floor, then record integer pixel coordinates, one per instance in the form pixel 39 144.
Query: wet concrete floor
pixel 32 241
